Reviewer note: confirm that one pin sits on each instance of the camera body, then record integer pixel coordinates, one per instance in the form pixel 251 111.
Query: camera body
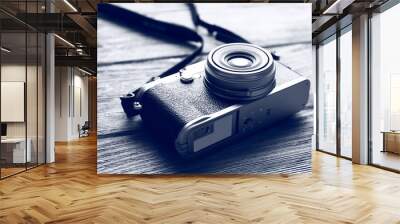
pixel 183 111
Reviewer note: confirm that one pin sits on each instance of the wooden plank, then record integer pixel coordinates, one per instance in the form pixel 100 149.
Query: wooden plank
pixel 126 59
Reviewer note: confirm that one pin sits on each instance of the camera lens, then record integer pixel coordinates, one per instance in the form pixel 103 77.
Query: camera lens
pixel 240 71
pixel 240 61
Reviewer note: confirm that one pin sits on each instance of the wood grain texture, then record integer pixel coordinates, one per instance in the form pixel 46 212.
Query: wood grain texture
pixel 126 59
pixel 70 191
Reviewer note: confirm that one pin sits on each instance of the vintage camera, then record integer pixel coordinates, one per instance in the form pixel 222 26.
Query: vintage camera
pixel 237 90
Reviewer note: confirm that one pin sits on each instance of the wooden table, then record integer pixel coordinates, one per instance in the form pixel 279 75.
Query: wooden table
pixel 126 59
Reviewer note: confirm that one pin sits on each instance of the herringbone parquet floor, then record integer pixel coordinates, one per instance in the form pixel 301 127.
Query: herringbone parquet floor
pixel 70 191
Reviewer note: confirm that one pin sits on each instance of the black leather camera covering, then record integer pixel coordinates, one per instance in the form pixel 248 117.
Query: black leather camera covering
pixel 168 107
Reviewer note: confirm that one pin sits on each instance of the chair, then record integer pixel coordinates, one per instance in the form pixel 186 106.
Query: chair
pixel 84 130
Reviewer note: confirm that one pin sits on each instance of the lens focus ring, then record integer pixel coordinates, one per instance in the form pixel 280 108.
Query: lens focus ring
pixel 240 71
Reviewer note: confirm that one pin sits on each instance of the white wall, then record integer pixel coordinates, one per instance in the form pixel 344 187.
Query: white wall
pixel 71 102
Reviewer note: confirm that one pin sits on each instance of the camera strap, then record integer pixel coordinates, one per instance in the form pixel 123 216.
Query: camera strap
pixel 168 31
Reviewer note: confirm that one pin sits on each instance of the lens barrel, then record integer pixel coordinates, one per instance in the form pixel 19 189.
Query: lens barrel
pixel 240 71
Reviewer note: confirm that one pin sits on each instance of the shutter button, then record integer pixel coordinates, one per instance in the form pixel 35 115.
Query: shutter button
pixel 186 77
